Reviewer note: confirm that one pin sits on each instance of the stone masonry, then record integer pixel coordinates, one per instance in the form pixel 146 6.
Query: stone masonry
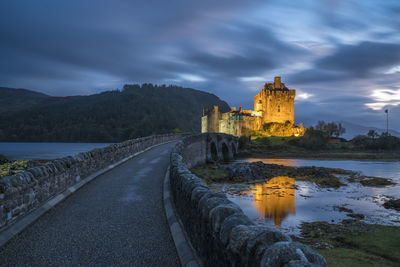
pixel 218 229
pixel 24 192
pixel 274 103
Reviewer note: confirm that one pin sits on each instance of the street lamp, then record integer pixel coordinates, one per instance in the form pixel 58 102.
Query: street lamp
pixel 387 121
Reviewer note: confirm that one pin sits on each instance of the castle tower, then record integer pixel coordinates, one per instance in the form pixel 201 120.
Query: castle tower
pixel 276 102
pixel 210 120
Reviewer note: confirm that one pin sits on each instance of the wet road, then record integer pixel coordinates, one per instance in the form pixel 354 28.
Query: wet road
pixel 116 220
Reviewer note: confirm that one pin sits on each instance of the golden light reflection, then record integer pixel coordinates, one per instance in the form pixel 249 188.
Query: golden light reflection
pixel 275 199
pixel 285 162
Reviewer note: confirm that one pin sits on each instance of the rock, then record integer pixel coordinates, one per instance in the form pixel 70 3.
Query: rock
pixel 291 254
pixel 3 159
pixel 356 215
pixel 220 213
pixel 257 245
pixel 230 222
pixel 342 209
pixel 321 173
pixel 239 170
pixel 392 204
pixel 375 181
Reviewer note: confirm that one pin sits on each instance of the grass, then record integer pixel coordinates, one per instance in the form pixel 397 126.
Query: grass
pixel 339 257
pixel 210 174
pixel 280 147
pixel 354 243
pixel 379 240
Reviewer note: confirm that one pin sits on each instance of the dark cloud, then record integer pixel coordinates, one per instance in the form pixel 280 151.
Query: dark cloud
pixel 350 62
pixel 362 58
pixel 254 51
pixel 333 50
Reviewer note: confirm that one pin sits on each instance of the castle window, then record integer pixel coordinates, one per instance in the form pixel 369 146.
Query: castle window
pixel 279 108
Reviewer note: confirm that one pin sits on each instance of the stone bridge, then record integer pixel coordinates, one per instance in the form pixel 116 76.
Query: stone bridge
pixel 221 147
pixel 51 215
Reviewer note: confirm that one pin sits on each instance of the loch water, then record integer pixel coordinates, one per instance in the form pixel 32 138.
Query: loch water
pixel 25 151
pixel 285 203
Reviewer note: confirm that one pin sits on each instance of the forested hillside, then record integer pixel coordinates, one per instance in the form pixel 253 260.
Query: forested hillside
pixel 110 116
pixel 17 99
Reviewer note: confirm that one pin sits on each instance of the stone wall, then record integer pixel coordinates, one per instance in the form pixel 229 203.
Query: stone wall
pixel 210 122
pixel 218 229
pixel 276 105
pixel 24 192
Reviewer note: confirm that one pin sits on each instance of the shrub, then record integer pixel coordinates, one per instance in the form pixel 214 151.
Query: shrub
pixel 313 139
pixel 384 142
pixel 176 130
pixel 264 141
pixel 361 142
pixel 243 142
pixel 282 129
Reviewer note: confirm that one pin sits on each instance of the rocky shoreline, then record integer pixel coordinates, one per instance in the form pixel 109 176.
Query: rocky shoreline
pixel 261 172
pixel 343 242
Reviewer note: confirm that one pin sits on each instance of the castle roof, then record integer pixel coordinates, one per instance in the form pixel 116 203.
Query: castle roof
pixel 276 85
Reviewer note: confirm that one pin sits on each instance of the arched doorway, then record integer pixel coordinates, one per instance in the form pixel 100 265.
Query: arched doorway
pixel 214 152
pixel 225 152
pixel 233 149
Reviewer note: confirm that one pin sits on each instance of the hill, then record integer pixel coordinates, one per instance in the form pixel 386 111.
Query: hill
pixel 110 116
pixel 353 130
pixel 12 100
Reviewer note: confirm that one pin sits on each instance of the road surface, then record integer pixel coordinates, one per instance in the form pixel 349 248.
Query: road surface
pixel 116 220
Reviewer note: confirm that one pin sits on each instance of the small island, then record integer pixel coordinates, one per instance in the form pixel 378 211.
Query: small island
pixel 317 205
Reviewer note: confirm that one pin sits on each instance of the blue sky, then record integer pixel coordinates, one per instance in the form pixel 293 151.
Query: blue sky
pixel 343 57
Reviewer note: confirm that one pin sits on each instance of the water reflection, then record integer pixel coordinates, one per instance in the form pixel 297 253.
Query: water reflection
pixel 275 199
pixel 285 162
pixel 312 203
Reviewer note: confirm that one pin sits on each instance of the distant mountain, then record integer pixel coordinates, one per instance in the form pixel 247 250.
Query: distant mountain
pixel 353 130
pixel 12 100
pixel 110 116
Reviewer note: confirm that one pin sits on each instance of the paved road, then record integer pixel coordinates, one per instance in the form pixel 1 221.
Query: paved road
pixel 116 220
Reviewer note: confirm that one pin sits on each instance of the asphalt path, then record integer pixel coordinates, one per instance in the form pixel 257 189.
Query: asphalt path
pixel 116 220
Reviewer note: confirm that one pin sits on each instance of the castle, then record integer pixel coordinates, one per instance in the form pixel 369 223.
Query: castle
pixel 274 103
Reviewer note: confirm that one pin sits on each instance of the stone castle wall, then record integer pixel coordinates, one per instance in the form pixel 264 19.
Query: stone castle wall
pixel 277 106
pixel 210 123
pixel 239 127
pixel 218 229
pixel 274 103
pixel 23 192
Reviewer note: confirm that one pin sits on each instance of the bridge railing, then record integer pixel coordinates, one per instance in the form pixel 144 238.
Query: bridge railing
pixel 24 192
pixel 218 229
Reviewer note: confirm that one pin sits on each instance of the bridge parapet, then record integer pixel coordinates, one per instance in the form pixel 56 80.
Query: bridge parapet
pixel 218 229
pixel 210 147
pixel 24 192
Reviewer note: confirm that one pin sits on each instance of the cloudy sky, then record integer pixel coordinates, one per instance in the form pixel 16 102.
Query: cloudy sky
pixel 343 57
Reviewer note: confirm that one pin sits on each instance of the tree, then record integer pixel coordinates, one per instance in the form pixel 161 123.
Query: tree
pixel 320 126
pixel 372 134
pixel 340 130
pixel 313 139
pixel 331 129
